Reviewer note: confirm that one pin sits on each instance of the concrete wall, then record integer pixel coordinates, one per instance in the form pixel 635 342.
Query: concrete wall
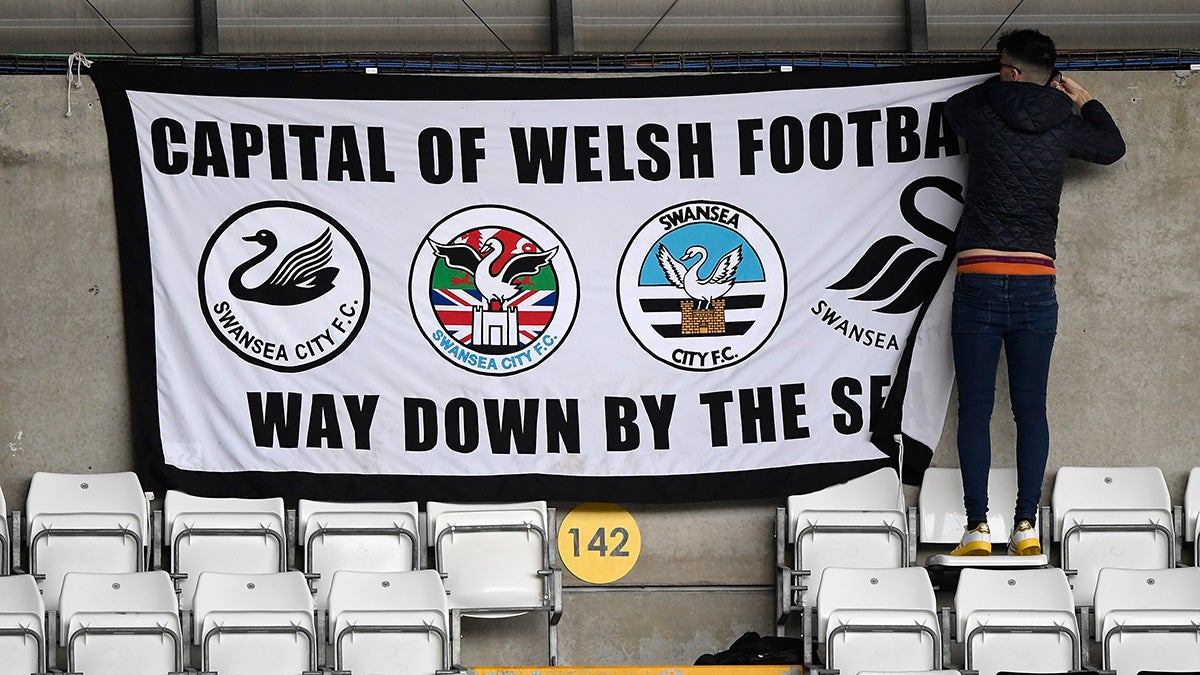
pixel 1123 389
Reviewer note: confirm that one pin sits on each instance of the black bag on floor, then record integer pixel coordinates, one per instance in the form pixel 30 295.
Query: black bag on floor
pixel 754 649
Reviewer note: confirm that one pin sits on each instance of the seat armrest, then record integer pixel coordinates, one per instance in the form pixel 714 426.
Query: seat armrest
pixel 556 608
pixel 1178 522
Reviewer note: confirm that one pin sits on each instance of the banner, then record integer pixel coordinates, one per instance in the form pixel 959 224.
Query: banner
pixel 618 289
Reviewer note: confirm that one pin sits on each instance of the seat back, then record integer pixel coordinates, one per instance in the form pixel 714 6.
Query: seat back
pixel 120 624
pixel 1017 619
pixel 492 555
pixel 940 512
pixel 1147 619
pixel 22 635
pixel 1152 640
pixel 1111 517
pixel 910 673
pixel 859 523
pixel 1191 511
pixel 373 616
pixel 207 534
pixel 260 624
pixel 84 523
pixel 365 537
pixel 1126 590
pixel 881 619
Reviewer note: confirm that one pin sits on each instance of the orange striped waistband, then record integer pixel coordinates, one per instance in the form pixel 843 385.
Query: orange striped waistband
pixel 1004 264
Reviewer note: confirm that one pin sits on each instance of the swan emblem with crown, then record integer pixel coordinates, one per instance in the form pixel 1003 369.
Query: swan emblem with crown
pixel 703 291
pixel 304 274
pixel 499 288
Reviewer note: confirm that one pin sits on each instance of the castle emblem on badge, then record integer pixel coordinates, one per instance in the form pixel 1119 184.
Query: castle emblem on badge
pixel 501 290
pixel 690 307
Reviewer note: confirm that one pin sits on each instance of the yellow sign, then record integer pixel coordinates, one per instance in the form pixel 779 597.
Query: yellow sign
pixel 599 543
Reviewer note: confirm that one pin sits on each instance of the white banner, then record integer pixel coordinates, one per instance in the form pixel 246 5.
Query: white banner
pixel 562 284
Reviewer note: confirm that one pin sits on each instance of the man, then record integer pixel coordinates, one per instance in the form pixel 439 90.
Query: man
pixel 1020 129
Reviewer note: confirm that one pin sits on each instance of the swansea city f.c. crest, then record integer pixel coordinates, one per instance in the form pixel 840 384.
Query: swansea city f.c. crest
pixel 494 290
pixel 283 285
pixel 701 286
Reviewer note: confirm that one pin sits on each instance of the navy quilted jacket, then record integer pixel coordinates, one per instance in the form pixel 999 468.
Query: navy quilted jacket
pixel 1019 136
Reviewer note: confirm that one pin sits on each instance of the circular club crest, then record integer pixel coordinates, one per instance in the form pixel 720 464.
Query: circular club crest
pixel 701 286
pixel 284 286
pixel 494 290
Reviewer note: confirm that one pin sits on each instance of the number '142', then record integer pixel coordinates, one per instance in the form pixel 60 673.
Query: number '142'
pixel 600 542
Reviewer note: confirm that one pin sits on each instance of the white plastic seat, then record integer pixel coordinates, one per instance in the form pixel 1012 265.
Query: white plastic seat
pixel 1148 619
pixel 859 523
pixel 1017 620
pixel 85 523
pixel 1191 511
pixel 207 534
pixel 22 633
pixel 878 619
pixel 942 519
pixel 373 616
pixel 1111 517
pixel 254 624
pixel 495 560
pixel 366 537
pixel 120 624
pixel 909 673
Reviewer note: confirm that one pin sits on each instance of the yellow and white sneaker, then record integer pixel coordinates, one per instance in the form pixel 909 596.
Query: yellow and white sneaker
pixel 975 542
pixel 1024 540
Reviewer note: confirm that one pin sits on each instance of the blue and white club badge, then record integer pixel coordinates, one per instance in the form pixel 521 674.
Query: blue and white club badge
pixel 701 286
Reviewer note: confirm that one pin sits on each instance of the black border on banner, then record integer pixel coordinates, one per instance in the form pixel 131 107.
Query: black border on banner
pixel 113 81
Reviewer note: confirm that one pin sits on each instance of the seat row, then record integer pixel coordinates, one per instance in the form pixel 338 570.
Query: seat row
pixel 494 560
pixel 1099 518
pixel 130 624
pixel 1006 621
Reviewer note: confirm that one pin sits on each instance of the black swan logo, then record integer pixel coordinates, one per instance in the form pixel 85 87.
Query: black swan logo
pixel 895 267
pixel 301 276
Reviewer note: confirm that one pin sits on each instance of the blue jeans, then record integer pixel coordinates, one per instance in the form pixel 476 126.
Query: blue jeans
pixel 1020 313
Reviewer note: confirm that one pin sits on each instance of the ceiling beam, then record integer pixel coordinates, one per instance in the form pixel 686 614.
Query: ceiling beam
pixel 562 27
pixel 916 26
pixel 205 15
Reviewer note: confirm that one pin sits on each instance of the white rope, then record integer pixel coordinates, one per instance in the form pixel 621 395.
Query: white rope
pixel 75 63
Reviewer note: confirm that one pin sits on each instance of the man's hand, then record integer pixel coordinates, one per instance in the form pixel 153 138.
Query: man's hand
pixel 1074 90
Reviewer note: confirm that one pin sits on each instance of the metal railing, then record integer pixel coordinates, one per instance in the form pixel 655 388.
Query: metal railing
pixel 677 62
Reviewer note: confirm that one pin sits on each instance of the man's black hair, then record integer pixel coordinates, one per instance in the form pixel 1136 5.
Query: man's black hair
pixel 1029 47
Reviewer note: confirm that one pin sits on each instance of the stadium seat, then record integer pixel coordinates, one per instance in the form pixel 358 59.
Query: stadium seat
pixel 373 616
pixel 85 523
pixel 859 523
pixel 910 673
pixel 1017 619
pixel 254 624
pixel 1111 517
pixel 878 619
pixel 495 560
pixel 941 520
pixel 366 537
pixel 22 634
pixel 1191 510
pixel 1148 619
pixel 120 624
pixel 1039 673
pixel 205 534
